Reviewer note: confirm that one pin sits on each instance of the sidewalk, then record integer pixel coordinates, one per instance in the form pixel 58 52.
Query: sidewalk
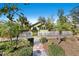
pixel 38 49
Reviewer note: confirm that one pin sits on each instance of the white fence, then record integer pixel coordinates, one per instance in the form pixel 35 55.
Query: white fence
pixel 23 35
pixel 55 34
pixel 49 34
pixel 26 35
pixel 67 33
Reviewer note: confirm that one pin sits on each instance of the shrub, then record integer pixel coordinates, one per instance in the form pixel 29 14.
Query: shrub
pixel 27 51
pixel 11 50
pixel 55 50
pixel 23 42
pixel 43 40
pixel 2 46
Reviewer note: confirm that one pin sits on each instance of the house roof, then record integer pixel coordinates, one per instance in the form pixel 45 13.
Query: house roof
pixel 37 24
pixel 40 25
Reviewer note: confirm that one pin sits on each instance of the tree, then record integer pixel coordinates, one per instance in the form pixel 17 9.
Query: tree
pixel 62 21
pixel 49 24
pixel 42 19
pixel 12 30
pixel 62 24
pixel 4 30
pixel 74 13
pixel 9 10
pixel 16 32
pixel 24 22
pixel 60 12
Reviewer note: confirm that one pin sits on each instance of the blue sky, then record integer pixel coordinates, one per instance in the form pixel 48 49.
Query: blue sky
pixel 33 10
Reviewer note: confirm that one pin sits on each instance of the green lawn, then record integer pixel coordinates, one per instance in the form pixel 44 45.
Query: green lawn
pixel 55 50
pixel 23 48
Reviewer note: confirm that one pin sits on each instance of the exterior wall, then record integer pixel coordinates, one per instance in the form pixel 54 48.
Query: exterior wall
pixel 36 27
pixel 43 30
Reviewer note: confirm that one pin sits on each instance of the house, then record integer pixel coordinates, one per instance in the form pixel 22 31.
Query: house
pixel 39 26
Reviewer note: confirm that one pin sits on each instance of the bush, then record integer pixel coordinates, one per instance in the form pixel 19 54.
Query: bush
pixel 6 45
pixel 11 50
pixel 25 51
pixel 23 42
pixel 43 40
pixel 2 46
pixel 55 50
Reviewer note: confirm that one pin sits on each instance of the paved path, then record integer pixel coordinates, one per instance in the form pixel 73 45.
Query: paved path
pixel 38 49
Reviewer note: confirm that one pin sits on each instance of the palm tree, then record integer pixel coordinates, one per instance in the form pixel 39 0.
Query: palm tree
pixel 9 10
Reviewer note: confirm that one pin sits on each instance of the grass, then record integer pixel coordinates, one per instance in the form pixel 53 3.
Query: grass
pixel 55 50
pixel 23 48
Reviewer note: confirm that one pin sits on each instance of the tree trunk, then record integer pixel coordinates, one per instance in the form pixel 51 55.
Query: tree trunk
pixel 61 38
pixel 11 39
pixel 17 40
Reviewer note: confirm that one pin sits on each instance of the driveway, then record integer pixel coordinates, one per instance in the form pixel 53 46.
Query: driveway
pixel 38 49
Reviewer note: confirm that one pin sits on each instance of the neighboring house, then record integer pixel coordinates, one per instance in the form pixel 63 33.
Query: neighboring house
pixel 39 26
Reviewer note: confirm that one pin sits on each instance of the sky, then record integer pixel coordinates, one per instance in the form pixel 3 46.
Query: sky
pixel 34 10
